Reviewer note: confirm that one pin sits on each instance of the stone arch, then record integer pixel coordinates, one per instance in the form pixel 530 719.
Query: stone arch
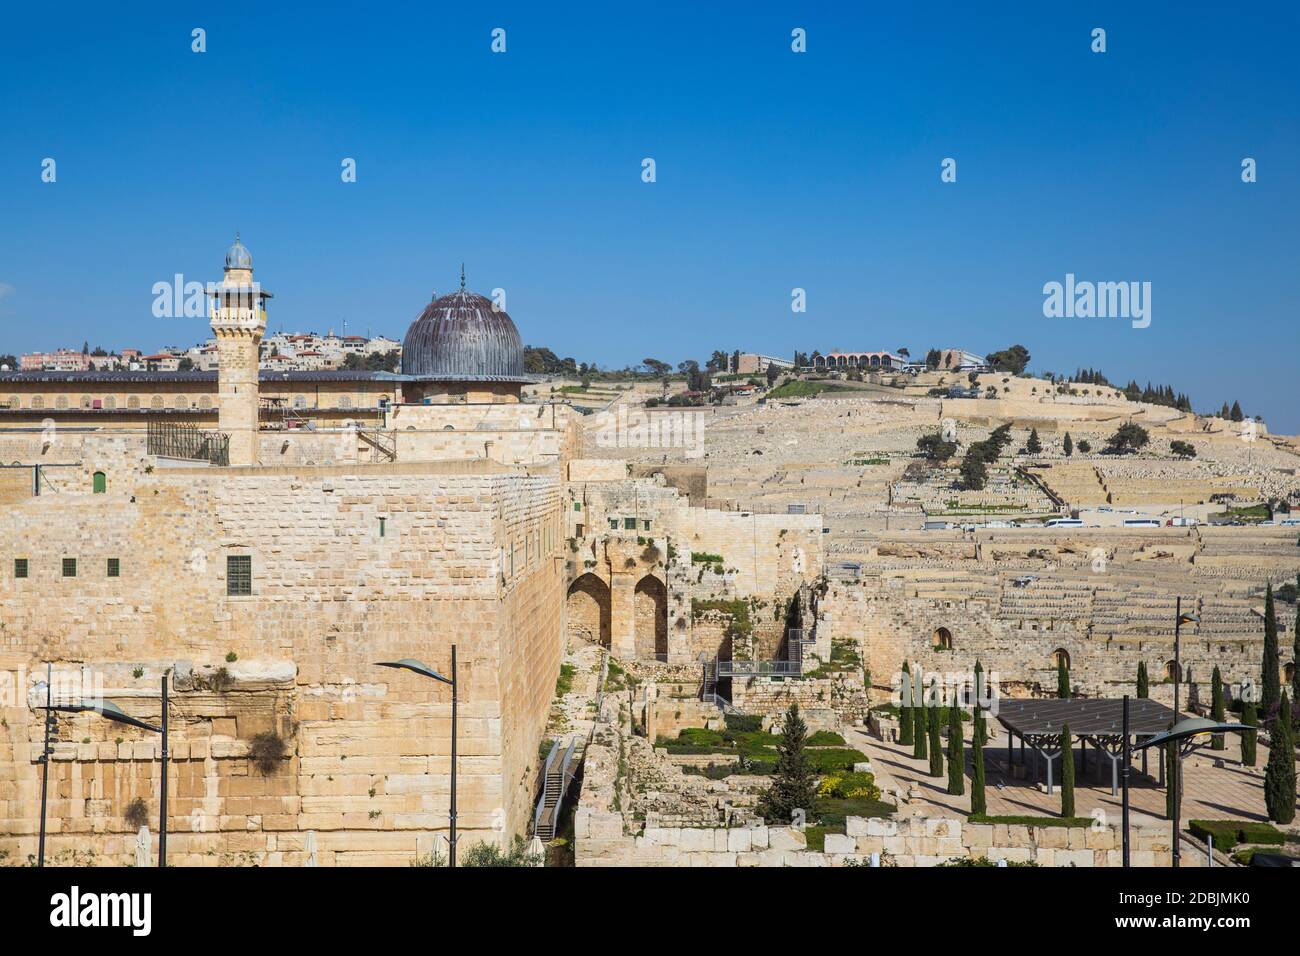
pixel 133 401
pixel 1061 655
pixel 587 610
pixel 156 402
pixel 650 615
pixel 38 401
pixel 942 639
pixel 1172 671
pixel 1288 673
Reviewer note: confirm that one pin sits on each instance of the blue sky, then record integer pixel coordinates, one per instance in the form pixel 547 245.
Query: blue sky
pixel 775 170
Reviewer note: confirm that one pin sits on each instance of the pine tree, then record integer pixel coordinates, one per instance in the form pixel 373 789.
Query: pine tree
pixel 1279 772
pixel 793 784
pixel 1062 679
pixel 1067 772
pixel 1143 683
pixel 1033 446
pixel 956 753
pixel 1068 445
pixel 936 748
pixel 905 711
pixel 1270 679
pixel 1249 738
pixel 1216 709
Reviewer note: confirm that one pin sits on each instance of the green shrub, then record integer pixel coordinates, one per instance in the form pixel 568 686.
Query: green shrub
pixel 745 723
pixel 1028 821
pixel 825 738
pixel 849 786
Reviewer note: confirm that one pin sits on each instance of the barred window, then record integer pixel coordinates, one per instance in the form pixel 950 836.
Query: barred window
pixel 239 574
pixel 114 567
pixel 20 567
pixel 69 567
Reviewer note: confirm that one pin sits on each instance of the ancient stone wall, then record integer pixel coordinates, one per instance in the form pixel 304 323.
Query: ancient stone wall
pixel 348 566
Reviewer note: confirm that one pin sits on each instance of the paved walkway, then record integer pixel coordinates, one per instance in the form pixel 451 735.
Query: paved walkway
pixel 1228 792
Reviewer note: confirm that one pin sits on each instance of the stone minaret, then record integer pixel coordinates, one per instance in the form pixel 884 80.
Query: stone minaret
pixel 238 322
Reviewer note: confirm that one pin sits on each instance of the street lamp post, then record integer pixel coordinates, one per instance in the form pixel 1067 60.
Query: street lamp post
pixel 1176 764
pixel 410 664
pixel 109 711
pixel 1182 734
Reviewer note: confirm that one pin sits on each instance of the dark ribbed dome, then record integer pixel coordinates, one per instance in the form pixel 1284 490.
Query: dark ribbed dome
pixel 462 338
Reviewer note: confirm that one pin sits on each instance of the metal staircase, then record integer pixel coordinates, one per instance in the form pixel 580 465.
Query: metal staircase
pixel 382 447
pixel 556 776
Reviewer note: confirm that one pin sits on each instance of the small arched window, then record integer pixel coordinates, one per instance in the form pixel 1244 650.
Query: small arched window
pixel 300 401
pixel 99 483
pixel 942 639
pixel 345 401
pixel 85 401
pixel 110 401
pixel 156 402
pixel 1173 672
pixel 133 401
pixel 38 401
pixel 61 402
pixel 1061 656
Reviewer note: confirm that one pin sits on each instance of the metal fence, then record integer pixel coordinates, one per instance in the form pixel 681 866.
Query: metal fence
pixel 182 440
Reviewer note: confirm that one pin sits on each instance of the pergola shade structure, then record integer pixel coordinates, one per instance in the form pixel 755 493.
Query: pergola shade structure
pixel 1038 724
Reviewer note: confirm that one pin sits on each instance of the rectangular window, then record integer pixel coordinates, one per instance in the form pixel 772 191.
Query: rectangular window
pixel 114 567
pixel 613 524
pixel 69 567
pixel 239 574
pixel 646 524
pixel 577 506
pixel 20 567
pixel 382 522
pixel 629 524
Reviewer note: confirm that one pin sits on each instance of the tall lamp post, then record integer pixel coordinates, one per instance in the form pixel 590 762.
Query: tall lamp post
pixel 1176 765
pixel 109 711
pixel 424 670
pixel 1184 733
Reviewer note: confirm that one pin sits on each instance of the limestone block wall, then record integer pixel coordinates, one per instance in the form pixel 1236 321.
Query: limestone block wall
pixel 465 554
pixel 910 841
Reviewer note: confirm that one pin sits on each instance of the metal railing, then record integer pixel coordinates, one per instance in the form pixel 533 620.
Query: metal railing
pixel 182 440
pixel 759 668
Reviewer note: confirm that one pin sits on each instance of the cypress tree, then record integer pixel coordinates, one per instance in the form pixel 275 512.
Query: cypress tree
pixel 936 748
pixel 956 752
pixel 793 784
pixel 1068 445
pixel 978 804
pixel 1143 682
pixel 920 733
pixel 1062 680
pixel 1249 738
pixel 1295 648
pixel 1034 445
pixel 1279 772
pixel 1270 680
pixel 1216 709
pixel 905 711
pixel 1067 772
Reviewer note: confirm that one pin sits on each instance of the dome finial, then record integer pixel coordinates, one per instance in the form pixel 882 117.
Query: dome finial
pixel 462 277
